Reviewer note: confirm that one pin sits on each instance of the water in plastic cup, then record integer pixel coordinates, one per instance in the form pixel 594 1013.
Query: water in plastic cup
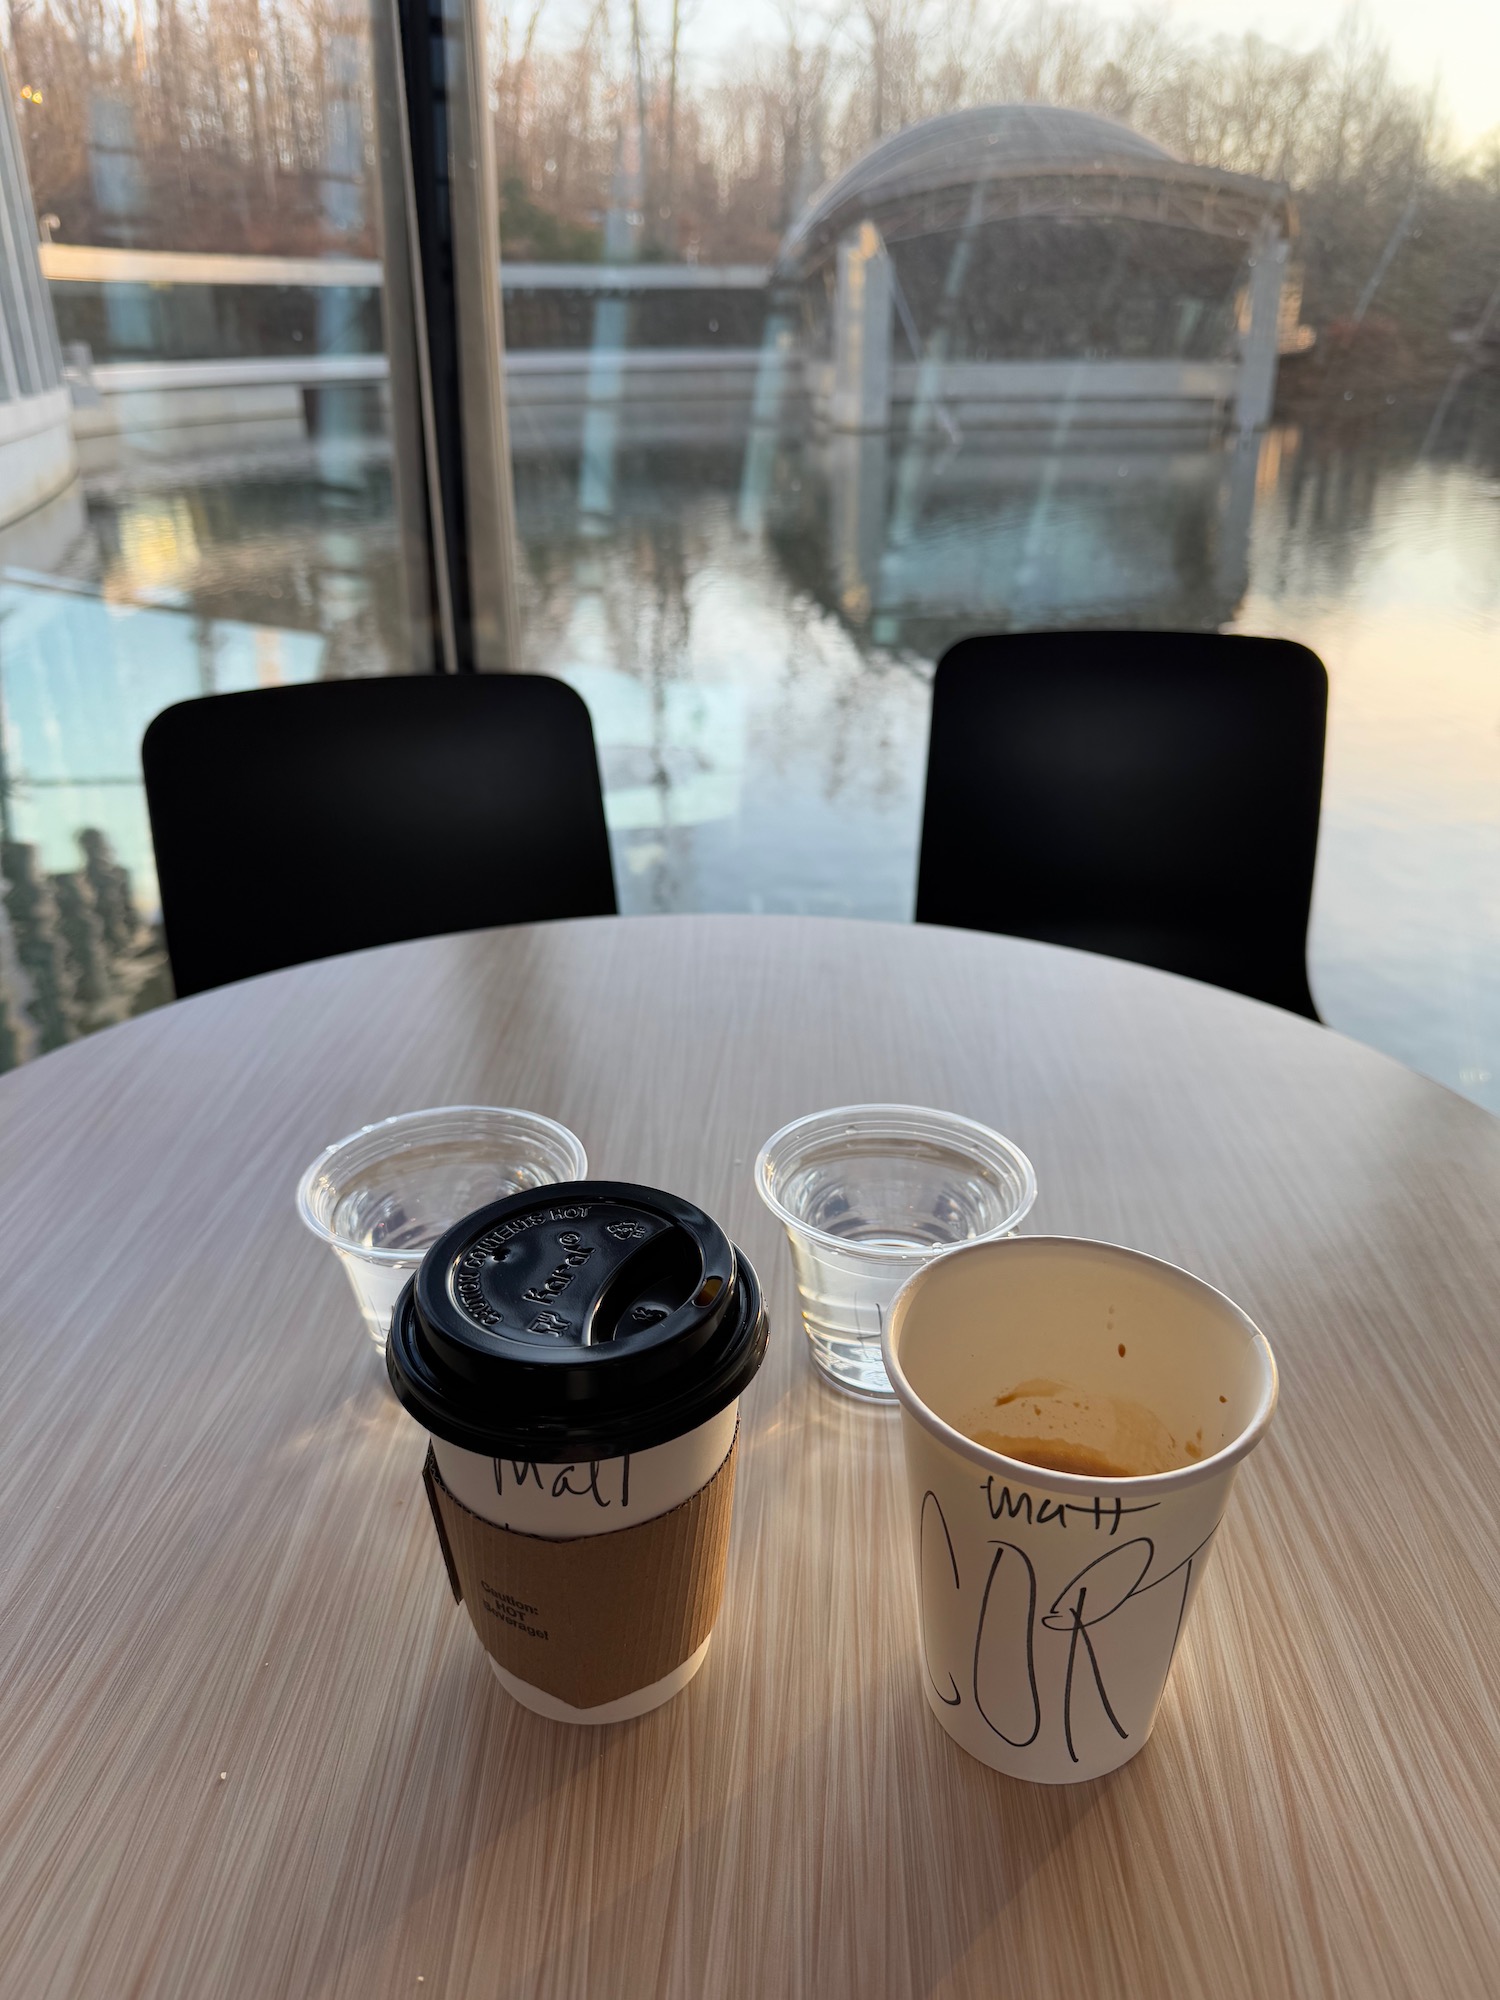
pixel 868 1194
pixel 1051 1601
pixel 387 1192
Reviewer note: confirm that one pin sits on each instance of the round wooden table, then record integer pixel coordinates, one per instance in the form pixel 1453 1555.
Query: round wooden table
pixel 251 1747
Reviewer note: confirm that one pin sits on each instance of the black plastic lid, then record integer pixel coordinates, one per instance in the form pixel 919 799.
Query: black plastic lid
pixel 580 1320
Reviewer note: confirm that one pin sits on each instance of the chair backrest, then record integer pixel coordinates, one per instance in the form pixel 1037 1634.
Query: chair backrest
pixel 1151 795
pixel 295 822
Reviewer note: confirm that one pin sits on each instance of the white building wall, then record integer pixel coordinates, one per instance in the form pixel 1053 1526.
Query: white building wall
pixel 36 440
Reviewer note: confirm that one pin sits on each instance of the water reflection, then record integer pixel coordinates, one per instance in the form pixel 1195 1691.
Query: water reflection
pixel 1113 529
pixel 759 676
pixel 756 652
pixel 761 697
pixel 302 538
pixel 1389 566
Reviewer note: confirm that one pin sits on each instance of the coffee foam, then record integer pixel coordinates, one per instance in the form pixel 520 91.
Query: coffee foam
pixel 1058 1424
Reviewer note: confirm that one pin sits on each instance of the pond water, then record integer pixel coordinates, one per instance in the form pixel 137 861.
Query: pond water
pixel 757 656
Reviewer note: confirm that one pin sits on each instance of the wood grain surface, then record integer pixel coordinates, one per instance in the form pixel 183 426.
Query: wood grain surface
pixel 251 1747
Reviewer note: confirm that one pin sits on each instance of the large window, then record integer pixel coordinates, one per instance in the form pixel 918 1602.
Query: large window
pixel 828 338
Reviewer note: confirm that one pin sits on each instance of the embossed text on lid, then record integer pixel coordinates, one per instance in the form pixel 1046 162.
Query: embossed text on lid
pixel 574 1315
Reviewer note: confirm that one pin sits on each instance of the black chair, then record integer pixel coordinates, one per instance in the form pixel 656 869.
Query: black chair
pixel 292 823
pixel 1151 795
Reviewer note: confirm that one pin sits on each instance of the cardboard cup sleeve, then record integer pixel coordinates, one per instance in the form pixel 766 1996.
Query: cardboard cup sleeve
pixel 595 1617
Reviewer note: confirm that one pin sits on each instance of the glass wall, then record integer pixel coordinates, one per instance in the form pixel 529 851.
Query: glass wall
pixel 190 192
pixel 826 338
pixel 1064 316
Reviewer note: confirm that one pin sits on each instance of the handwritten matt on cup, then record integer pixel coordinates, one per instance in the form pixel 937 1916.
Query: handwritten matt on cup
pixel 1073 1416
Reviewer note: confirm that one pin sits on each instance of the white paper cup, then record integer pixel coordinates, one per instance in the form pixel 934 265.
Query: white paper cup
pixel 1050 1604
pixel 590 1497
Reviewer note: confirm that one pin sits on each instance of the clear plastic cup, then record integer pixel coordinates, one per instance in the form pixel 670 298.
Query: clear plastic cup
pixel 868 1194
pixel 380 1197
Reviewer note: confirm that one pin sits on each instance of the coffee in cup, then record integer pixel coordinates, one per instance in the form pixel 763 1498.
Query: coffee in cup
pixel 576 1355
pixel 1067 1427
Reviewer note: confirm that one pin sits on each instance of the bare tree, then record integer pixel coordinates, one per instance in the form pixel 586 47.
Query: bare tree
pixel 215 114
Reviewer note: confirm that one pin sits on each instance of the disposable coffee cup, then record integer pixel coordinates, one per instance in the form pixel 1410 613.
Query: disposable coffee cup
pixel 576 1355
pixel 1051 1601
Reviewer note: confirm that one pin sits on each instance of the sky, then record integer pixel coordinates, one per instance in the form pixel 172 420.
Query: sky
pixel 1456 42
